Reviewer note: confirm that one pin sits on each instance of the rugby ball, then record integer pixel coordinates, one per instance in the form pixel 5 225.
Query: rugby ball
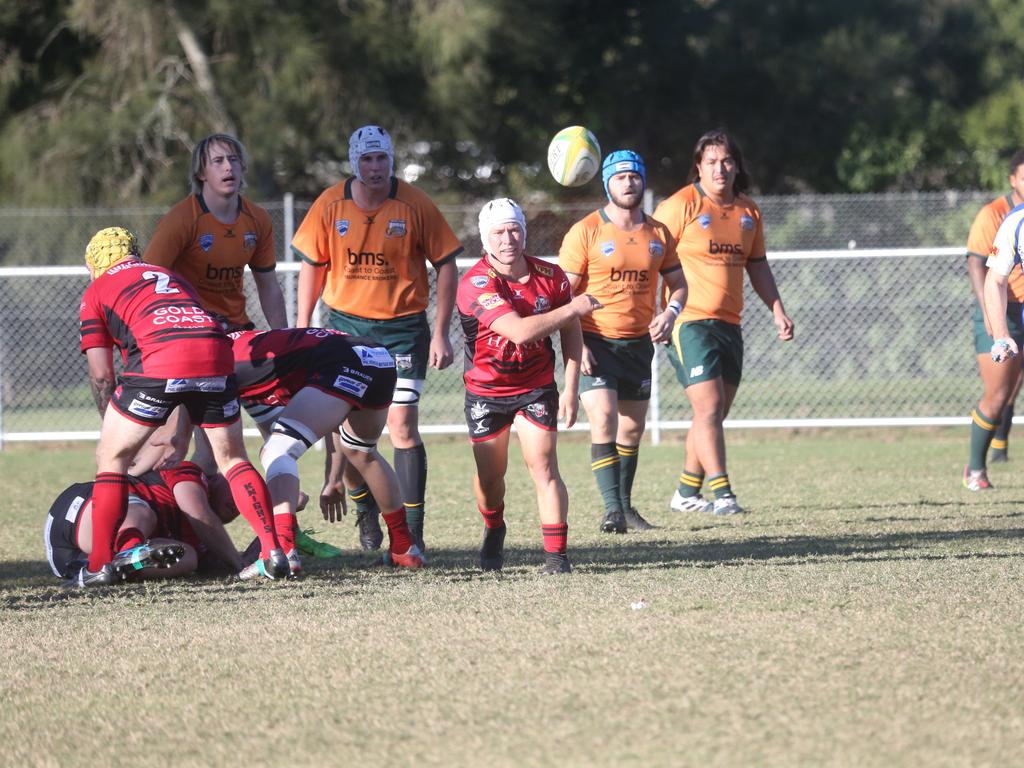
pixel 574 156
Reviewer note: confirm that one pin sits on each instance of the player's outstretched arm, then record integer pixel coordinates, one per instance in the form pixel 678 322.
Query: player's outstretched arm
pixel 101 375
pixel 763 282
pixel 195 505
pixel 571 336
pixel 523 330
pixel 271 298
pixel 333 505
pixel 441 354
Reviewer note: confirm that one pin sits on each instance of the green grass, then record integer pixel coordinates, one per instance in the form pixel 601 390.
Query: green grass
pixel 867 612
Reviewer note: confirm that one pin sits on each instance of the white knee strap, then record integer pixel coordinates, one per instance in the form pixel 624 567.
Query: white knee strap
pixel 407 392
pixel 288 440
pixel 348 440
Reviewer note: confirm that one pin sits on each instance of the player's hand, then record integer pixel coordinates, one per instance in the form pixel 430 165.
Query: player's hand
pixel 588 364
pixel 174 450
pixel 1004 349
pixel 568 408
pixel 784 325
pixel 332 502
pixel 440 351
pixel 661 326
pixel 584 304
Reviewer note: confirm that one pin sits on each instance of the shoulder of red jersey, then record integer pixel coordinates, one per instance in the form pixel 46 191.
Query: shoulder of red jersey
pixel 541 267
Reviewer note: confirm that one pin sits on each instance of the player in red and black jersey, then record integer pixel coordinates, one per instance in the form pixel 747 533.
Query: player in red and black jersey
pixel 509 305
pixel 302 384
pixel 172 515
pixel 174 354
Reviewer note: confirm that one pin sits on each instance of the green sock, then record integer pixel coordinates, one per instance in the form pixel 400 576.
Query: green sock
pixel 362 497
pixel 720 485
pixel 690 483
pixel 1002 435
pixel 629 457
pixel 604 463
pixel 982 430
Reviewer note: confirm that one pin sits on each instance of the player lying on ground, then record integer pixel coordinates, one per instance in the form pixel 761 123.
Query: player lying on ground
pixel 302 384
pixel 174 354
pixel 510 304
pixel 172 516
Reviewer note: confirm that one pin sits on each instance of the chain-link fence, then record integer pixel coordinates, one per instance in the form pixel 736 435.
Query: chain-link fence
pixel 882 335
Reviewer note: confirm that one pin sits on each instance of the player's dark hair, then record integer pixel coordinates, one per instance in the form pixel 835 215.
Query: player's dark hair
pixel 1016 161
pixel 720 138
pixel 200 155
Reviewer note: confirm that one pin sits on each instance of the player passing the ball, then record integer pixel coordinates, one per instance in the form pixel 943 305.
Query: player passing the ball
pixel 509 305
pixel 616 254
pixel 174 354
pixel 720 237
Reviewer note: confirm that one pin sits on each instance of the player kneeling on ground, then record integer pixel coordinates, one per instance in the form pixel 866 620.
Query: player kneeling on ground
pixel 509 305
pixel 302 384
pixel 174 354
pixel 168 522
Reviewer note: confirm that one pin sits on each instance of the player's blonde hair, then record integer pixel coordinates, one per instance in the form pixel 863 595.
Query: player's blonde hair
pixel 108 247
pixel 200 156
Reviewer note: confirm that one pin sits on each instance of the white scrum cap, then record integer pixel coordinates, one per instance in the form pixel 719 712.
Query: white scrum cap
pixel 370 138
pixel 501 211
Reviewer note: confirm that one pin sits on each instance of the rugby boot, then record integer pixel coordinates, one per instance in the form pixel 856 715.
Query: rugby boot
pixel 274 566
pixel 727 505
pixel 86 579
pixel 492 552
pixel 294 564
pixel 976 480
pixel 411 559
pixel 129 562
pixel 307 545
pixel 696 503
pixel 614 521
pixel 555 563
pixel 635 522
pixel 370 534
pixel 998 456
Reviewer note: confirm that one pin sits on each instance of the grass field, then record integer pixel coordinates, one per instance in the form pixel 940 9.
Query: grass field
pixel 867 611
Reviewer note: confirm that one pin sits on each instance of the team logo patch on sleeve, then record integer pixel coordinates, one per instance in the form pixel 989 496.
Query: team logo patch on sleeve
pixel 746 222
pixel 341 225
pixel 608 247
pixel 655 248
pixel 206 242
pixel 490 300
pixel 396 228
pixel 249 240
pixel 478 281
pixel 704 220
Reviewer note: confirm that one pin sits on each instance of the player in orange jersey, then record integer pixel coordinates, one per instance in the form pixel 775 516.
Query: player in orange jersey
pixel 365 245
pixel 992 418
pixel 214 233
pixel 616 254
pixel 720 237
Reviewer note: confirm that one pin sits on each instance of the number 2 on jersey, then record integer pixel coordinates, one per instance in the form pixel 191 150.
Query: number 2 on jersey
pixel 162 280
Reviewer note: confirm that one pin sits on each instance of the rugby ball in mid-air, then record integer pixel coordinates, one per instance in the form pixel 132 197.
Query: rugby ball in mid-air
pixel 574 156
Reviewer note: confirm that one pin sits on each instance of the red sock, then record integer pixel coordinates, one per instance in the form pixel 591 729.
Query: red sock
pixel 109 506
pixel 493 518
pixel 253 501
pixel 285 525
pixel 555 537
pixel 398 531
pixel 128 538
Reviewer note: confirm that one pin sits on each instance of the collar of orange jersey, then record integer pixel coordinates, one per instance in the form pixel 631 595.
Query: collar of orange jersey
pixel 206 209
pixel 392 193
pixel 606 220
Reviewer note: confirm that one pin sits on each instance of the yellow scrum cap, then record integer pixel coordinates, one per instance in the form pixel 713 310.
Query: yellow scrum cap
pixel 108 247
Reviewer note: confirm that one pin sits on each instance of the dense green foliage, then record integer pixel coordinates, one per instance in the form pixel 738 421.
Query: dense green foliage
pixel 101 101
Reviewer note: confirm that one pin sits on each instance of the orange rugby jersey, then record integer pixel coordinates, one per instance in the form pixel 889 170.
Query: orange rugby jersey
pixel 210 255
pixel 377 260
pixel 715 244
pixel 983 233
pixel 620 269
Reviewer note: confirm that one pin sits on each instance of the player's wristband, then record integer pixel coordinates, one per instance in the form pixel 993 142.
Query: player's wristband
pixel 1001 350
pixel 675 307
